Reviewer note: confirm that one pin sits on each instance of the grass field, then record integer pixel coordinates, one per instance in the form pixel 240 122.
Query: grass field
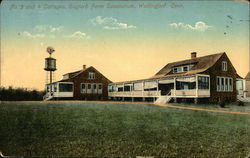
pixel 110 129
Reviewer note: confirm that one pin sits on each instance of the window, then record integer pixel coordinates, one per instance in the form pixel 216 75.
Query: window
pixel 94 88
pixel 224 66
pixel 65 87
pixel 224 84
pixel 83 88
pixel 110 88
pixel 218 84
pixel 182 68
pixel 203 82
pixel 185 68
pixel 230 84
pixel 127 88
pixel 55 88
pixel 120 89
pixel 185 85
pixel 100 86
pixel 89 86
pixel 91 75
pixel 175 70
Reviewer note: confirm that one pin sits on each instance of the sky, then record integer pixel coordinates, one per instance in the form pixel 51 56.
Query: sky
pixel 123 40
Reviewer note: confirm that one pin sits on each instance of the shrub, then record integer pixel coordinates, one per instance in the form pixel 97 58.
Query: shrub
pixel 222 104
pixel 241 103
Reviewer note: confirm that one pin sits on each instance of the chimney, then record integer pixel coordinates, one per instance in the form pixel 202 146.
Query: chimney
pixel 193 55
pixel 84 67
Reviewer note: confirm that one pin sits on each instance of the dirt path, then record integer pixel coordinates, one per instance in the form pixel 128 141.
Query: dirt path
pixel 203 109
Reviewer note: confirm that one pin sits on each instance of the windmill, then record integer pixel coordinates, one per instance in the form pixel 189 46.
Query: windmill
pixel 50 65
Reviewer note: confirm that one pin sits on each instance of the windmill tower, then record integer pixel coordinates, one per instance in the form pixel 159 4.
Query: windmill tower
pixel 50 66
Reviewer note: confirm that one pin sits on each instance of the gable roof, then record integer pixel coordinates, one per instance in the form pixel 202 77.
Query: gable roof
pixel 76 73
pixel 201 64
pixel 248 75
pixel 72 74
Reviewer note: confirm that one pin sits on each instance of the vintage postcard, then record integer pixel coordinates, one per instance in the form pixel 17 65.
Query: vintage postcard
pixel 125 79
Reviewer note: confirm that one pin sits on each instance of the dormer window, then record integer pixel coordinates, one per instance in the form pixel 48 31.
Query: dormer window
pixel 175 70
pixel 91 75
pixel 185 68
pixel 182 68
pixel 224 66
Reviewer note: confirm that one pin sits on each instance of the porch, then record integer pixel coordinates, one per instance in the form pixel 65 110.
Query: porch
pixel 193 86
pixel 58 90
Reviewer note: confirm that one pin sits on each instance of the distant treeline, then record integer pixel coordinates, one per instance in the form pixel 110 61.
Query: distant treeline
pixel 20 94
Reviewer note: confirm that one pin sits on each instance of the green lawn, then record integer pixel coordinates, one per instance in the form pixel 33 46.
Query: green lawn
pixel 111 129
pixel 229 107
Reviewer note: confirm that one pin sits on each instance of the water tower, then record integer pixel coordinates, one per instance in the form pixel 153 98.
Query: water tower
pixel 50 65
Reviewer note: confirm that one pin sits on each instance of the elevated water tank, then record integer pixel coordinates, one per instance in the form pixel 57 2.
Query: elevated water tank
pixel 50 64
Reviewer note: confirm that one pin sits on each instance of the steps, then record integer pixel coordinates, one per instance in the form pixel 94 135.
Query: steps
pixel 163 99
pixel 47 97
pixel 245 100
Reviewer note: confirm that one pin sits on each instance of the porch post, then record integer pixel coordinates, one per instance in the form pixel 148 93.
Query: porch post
pixel 143 83
pixel 174 85
pixel 244 88
pixel 157 82
pixel 196 92
pixel 57 88
pixel 132 89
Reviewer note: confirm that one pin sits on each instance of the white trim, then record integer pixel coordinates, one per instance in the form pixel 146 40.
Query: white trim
pixel 83 91
pixel 59 94
pixel 223 89
pixel 99 91
pixel 166 81
pixel 196 86
pixel 180 69
pixel 224 65
pixel 91 75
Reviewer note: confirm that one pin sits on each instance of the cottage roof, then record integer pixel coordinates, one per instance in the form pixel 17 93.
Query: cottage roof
pixel 71 74
pixel 200 64
pixel 248 75
pixel 76 73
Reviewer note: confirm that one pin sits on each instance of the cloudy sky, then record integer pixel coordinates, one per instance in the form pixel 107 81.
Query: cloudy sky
pixel 123 40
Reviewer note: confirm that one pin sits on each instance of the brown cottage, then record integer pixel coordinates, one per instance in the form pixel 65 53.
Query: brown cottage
pixel 209 78
pixel 247 85
pixel 85 84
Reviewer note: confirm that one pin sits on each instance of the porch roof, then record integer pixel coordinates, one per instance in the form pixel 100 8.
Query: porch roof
pixel 153 78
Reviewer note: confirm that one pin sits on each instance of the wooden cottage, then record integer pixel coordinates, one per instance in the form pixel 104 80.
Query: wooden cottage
pixel 247 86
pixel 209 78
pixel 85 84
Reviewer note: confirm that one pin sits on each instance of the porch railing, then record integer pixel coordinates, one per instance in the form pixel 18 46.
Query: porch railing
pixel 173 93
pixel 135 94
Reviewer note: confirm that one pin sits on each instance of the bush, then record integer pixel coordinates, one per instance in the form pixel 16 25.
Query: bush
pixel 20 94
pixel 222 104
pixel 241 103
